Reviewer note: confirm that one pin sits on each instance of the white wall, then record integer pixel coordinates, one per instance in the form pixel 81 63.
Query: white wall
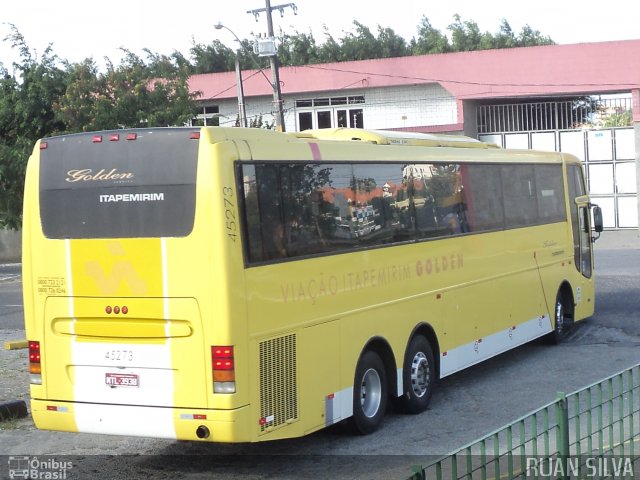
pixel 393 107
pixel 253 106
pixel 411 106
pixel 10 246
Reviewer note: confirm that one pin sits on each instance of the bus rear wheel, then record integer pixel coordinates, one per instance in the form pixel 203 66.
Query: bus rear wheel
pixel 370 393
pixel 418 377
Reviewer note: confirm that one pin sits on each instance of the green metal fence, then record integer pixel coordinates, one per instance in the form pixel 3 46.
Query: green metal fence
pixel 591 433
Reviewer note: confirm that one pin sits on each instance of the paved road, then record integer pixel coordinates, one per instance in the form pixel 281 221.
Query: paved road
pixel 466 406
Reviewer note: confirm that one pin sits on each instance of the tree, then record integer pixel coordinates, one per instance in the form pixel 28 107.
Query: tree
pixel 529 37
pixel 215 57
pixel 430 40
pixel 465 36
pixel 132 94
pixel 330 51
pixel 26 114
pixel 76 108
pixel 505 38
pixel 391 44
pixel 360 45
pixel 298 49
pixel 363 45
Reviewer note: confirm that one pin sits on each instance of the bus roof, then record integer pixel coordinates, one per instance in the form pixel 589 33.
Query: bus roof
pixel 389 137
pixel 445 147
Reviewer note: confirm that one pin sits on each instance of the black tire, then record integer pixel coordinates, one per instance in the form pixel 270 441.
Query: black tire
pixel 418 377
pixel 370 392
pixel 562 321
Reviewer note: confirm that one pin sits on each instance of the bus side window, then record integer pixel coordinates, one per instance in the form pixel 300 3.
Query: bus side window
pixel 550 193
pixel 520 199
pixel 483 197
pixel 263 212
pixel 438 200
pixel 252 213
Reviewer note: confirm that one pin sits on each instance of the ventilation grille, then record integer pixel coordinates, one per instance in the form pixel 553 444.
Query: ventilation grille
pixel 278 382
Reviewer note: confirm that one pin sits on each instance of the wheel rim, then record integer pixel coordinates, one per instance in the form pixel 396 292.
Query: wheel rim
pixel 420 374
pixel 559 318
pixel 370 392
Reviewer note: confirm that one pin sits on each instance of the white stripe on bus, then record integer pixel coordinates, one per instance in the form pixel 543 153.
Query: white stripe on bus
pixel 492 345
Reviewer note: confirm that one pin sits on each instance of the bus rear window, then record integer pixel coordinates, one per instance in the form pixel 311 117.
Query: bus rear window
pixel 122 184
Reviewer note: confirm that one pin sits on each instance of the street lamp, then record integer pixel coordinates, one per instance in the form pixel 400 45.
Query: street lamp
pixel 241 108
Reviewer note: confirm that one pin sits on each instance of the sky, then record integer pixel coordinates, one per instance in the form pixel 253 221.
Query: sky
pixel 80 29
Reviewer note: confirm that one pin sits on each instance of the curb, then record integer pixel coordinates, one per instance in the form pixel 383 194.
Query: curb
pixel 16 344
pixel 12 410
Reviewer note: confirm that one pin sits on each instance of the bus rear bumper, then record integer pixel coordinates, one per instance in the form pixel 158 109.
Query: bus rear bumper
pixel 143 421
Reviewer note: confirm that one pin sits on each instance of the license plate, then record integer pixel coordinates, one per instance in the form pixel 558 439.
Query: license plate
pixel 122 380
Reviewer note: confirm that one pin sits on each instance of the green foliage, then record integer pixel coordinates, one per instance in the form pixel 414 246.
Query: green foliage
pixel 215 57
pixel 258 122
pixel 298 49
pixel 466 36
pixel 618 119
pixel 26 114
pixel 430 40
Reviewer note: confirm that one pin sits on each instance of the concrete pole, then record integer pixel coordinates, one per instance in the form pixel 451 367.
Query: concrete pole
pixel 275 75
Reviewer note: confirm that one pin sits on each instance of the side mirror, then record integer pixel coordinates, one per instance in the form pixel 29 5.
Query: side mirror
pixel 597 219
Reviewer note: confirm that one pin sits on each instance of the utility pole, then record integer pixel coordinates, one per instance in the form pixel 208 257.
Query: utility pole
pixel 275 76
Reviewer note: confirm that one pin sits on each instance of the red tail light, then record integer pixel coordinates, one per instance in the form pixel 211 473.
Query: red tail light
pixel 35 368
pixel 97 139
pixel 223 366
pixel 222 358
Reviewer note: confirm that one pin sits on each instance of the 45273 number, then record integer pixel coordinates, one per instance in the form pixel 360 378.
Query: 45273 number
pixel 229 213
pixel 119 355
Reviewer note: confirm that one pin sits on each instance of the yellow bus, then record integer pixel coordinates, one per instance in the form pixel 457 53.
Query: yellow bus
pixel 242 285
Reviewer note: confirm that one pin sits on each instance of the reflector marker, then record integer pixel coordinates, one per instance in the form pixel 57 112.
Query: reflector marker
pixel 192 416
pixel 55 408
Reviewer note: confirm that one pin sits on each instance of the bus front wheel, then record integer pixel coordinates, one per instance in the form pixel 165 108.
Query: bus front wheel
pixel 369 394
pixel 562 321
pixel 418 377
